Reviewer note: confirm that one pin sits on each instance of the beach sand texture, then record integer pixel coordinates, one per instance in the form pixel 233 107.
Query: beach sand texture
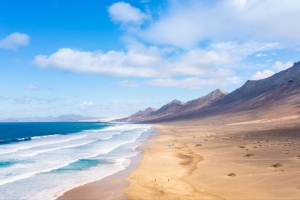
pixel 220 157
pixel 206 152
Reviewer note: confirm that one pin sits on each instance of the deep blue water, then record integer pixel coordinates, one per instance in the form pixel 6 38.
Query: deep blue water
pixel 24 131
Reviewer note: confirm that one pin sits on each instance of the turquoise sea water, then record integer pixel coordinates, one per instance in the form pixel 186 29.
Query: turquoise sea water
pixel 43 160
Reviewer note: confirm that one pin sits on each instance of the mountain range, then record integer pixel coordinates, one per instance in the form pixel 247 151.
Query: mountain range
pixel 277 95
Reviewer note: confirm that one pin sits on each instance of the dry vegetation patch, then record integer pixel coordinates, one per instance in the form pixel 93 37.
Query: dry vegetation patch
pixel 232 174
pixel 277 165
pixel 249 155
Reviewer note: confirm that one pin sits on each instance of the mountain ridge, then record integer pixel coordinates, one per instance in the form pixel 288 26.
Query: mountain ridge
pixel 269 93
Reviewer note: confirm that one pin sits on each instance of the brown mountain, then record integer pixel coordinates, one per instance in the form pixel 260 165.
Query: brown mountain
pixel 139 116
pixel 204 101
pixel 176 108
pixel 276 95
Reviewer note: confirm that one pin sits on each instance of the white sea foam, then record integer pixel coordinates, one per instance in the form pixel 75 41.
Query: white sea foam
pixel 11 148
pixel 38 163
pixel 58 148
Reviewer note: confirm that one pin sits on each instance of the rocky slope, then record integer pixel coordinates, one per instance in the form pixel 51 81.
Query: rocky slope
pixel 282 84
pixel 276 95
pixel 176 108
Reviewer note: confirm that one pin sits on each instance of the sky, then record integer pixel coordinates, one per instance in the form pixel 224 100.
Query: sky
pixel 113 58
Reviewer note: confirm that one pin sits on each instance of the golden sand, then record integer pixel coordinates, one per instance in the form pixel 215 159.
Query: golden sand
pixel 211 161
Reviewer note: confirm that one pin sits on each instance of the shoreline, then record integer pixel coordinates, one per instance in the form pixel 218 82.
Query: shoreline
pixel 110 187
pixel 164 170
pixel 204 155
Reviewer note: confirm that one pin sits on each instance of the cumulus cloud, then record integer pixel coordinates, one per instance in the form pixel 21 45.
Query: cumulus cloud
pixel 124 13
pixel 32 87
pixel 137 61
pixel 279 66
pixel 262 75
pixel 14 40
pixel 127 83
pixel 186 23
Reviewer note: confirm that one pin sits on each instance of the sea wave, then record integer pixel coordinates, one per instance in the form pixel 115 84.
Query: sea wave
pixel 59 167
pixel 106 149
pixel 15 148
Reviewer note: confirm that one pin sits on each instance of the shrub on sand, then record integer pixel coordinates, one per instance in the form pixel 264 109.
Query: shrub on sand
pixel 249 155
pixel 232 174
pixel 277 165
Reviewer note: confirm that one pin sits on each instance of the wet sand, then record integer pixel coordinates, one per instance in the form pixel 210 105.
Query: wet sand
pixel 110 187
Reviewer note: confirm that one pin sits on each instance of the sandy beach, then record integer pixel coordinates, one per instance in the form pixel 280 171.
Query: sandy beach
pixel 209 158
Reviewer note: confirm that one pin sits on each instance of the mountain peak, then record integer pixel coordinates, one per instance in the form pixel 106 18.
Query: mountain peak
pixel 175 101
pixel 218 91
pixel 150 109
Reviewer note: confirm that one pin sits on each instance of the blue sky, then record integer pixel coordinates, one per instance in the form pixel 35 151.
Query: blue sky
pixel 113 58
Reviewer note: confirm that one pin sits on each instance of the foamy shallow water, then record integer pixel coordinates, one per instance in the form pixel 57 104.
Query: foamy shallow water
pixel 46 167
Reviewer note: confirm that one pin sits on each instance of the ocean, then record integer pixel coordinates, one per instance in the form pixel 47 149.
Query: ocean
pixel 43 160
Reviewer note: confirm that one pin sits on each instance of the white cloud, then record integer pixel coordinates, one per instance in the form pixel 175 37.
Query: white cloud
pixel 262 75
pixel 32 87
pixel 261 55
pixel 88 105
pixel 137 61
pixel 279 66
pixel 14 40
pixel 191 82
pixel 125 13
pixel 186 23
pixel 244 49
pixel 234 79
pixel 127 83
pixel 221 73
